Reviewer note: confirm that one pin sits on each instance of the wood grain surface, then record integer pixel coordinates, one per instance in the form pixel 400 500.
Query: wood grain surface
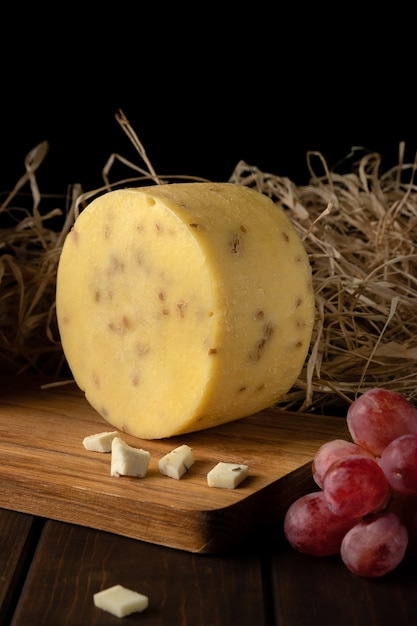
pixel 18 538
pixel 264 583
pixel 72 563
pixel 47 472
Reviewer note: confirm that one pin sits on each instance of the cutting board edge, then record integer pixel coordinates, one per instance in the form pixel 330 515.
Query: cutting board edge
pixel 208 531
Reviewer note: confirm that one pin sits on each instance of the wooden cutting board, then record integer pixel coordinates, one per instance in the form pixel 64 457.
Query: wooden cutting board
pixel 47 472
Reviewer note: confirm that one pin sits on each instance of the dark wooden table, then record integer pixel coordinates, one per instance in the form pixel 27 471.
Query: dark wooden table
pixel 50 570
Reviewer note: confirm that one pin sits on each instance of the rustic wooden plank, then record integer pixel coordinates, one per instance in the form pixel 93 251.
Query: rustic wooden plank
pixel 47 472
pixel 72 563
pixel 312 591
pixel 18 533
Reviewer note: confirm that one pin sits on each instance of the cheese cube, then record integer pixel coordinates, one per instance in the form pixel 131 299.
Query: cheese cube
pixel 100 442
pixel 127 460
pixel 176 462
pixel 227 475
pixel 183 306
pixel 120 601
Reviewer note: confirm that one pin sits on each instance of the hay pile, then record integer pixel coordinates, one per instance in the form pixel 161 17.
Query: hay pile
pixel 29 252
pixel 359 229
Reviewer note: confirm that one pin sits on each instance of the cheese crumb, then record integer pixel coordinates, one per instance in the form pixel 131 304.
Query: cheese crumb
pixel 101 442
pixel 120 601
pixel 227 475
pixel 177 462
pixel 127 460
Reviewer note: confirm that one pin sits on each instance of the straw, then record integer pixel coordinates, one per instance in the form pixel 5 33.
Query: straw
pixel 359 228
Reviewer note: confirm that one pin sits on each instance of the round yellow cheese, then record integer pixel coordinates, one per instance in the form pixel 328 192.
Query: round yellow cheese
pixel 183 306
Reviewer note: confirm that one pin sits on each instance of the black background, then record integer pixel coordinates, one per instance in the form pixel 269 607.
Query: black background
pixel 203 87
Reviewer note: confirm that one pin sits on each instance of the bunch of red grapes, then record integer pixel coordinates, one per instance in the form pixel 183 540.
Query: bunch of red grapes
pixel 366 506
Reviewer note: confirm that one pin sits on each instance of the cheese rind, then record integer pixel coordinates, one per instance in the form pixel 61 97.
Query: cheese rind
pixel 177 462
pixel 183 306
pixel 127 460
pixel 120 601
pixel 227 475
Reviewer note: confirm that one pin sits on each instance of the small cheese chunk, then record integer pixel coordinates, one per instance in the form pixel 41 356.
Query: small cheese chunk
pixel 100 442
pixel 120 601
pixel 177 462
pixel 183 306
pixel 127 460
pixel 227 475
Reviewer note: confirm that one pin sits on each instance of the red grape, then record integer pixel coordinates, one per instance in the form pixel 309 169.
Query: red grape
pixel 355 485
pixel 399 464
pixel 312 528
pixel 366 509
pixel 330 452
pixel 375 546
pixel 378 416
pixel 405 506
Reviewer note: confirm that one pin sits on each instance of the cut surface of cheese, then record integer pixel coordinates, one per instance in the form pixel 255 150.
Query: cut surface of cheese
pixel 99 442
pixel 227 475
pixel 120 601
pixel 183 306
pixel 127 460
pixel 177 462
